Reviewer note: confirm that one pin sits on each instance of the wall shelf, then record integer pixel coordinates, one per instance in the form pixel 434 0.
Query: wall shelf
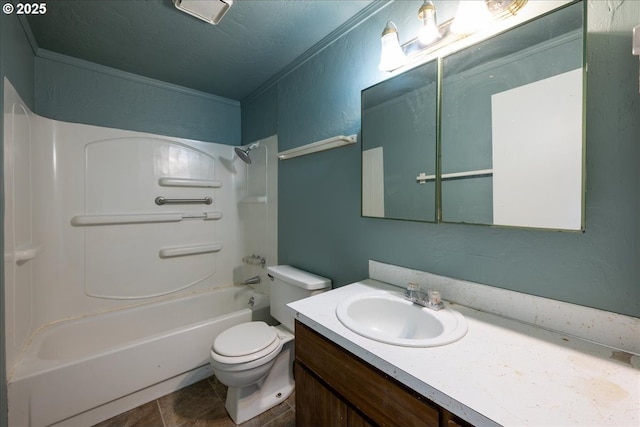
pixel 256 199
pixel 176 251
pixel 187 182
pixel 115 219
pixel 314 147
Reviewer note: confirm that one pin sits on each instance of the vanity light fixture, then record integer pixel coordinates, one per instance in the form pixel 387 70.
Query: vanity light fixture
pixel 472 16
pixel 429 32
pixel 392 56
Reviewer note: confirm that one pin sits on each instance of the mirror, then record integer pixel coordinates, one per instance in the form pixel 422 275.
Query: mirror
pixel 512 127
pixel 398 144
pixel 510 136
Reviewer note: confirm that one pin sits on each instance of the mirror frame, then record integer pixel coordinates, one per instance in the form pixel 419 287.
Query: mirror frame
pixel 460 47
pixel 423 112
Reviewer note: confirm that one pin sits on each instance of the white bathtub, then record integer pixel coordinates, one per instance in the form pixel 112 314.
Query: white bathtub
pixel 82 371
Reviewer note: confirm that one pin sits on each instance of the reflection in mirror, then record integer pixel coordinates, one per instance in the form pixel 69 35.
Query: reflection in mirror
pixel 512 127
pixel 399 144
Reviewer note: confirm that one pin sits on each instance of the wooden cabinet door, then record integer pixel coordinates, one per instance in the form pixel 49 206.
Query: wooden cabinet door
pixel 316 405
pixel 382 399
pixel 356 419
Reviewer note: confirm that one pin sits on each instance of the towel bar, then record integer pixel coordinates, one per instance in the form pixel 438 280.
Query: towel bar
pixel 162 201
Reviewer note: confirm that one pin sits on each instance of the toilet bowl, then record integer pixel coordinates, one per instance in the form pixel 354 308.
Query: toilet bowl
pixel 259 379
pixel 255 360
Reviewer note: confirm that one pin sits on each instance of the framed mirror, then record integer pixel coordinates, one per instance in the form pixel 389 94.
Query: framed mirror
pixel 512 134
pixel 399 145
pixel 502 145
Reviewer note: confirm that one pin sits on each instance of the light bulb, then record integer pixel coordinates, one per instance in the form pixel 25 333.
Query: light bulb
pixel 391 55
pixel 471 16
pixel 429 31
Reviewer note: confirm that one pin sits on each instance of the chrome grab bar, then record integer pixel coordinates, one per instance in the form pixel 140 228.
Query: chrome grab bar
pixel 162 201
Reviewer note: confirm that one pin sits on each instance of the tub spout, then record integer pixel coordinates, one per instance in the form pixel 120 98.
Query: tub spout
pixel 252 281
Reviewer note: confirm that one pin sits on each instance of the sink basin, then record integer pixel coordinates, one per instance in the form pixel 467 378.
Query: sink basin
pixel 387 317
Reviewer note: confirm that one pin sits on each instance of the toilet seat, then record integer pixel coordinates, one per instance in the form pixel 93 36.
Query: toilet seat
pixel 245 343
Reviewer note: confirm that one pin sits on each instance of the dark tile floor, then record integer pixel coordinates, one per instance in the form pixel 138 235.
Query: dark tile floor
pixel 202 405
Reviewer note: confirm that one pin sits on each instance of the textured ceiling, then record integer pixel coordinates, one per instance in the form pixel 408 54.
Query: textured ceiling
pixel 253 42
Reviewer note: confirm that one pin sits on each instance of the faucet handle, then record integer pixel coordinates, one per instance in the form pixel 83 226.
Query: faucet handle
pixel 411 291
pixel 435 298
pixel 431 299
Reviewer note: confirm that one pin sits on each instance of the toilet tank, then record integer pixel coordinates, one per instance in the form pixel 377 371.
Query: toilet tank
pixel 288 284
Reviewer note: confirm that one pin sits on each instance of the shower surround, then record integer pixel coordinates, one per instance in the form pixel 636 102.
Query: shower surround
pixel 87 245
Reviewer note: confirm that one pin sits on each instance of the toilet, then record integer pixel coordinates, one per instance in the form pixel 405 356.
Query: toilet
pixel 255 360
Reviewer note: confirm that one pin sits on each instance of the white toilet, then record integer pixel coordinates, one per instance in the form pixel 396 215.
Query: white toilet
pixel 255 360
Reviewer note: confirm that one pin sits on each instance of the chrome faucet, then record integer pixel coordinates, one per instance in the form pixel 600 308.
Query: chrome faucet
pixel 255 259
pixel 252 281
pixel 431 300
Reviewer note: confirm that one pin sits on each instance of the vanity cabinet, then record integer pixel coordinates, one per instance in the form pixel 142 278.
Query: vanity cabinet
pixel 336 388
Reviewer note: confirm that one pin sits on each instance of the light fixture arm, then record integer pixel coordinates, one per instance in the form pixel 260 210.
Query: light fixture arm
pixel 433 36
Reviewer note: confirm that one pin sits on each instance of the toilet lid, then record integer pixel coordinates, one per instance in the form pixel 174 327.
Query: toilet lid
pixel 244 339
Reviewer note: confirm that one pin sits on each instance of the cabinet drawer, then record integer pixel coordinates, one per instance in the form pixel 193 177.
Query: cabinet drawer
pixel 383 399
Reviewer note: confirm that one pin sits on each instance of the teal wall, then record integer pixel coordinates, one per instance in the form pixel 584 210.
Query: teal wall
pixel 265 109
pixel 320 227
pixel 16 63
pixel 72 90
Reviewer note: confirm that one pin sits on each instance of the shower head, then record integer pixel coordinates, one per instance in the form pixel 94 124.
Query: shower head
pixel 244 154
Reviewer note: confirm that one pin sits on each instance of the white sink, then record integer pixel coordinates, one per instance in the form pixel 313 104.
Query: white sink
pixel 387 317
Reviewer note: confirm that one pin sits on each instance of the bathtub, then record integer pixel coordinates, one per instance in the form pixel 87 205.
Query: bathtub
pixel 85 370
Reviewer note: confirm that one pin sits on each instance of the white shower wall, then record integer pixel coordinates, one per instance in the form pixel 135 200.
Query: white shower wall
pixel 259 211
pixel 20 245
pixel 60 175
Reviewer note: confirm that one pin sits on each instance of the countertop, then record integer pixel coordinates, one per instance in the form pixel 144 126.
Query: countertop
pixel 502 372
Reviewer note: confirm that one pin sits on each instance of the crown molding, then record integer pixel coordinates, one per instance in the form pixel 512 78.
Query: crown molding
pixel 28 33
pixel 114 72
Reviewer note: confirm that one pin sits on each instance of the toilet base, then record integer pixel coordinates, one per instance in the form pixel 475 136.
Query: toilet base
pixel 244 403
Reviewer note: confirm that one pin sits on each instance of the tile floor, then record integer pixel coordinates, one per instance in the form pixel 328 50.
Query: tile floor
pixel 202 405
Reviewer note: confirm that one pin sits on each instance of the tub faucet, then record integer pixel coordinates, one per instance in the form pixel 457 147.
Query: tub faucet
pixel 252 281
pixel 255 259
pixel 431 300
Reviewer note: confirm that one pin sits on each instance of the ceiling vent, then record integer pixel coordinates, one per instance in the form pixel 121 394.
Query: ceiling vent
pixel 210 11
